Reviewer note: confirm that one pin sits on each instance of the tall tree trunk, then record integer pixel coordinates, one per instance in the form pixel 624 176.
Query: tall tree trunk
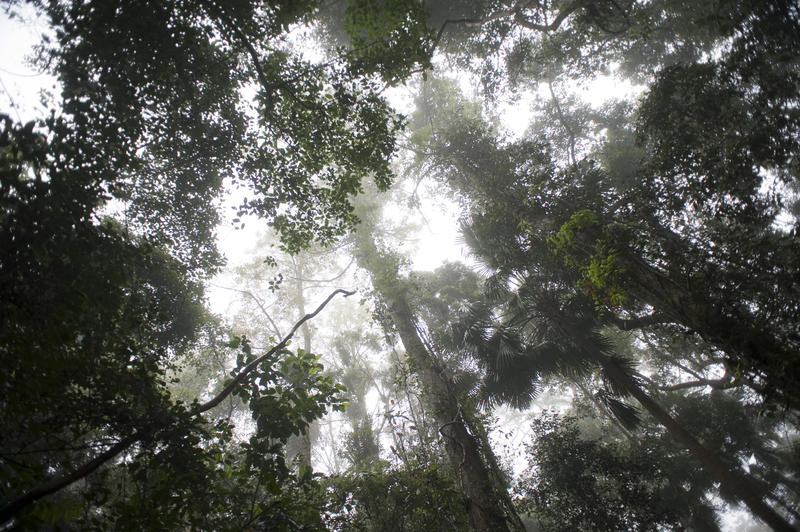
pixel 732 482
pixel 488 510
pixel 488 504
pixel 304 439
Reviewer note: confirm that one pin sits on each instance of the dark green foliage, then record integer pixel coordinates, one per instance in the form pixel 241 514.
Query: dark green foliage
pixel 579 482
pixel 388 37
pixel 92 319
pixel 408 499
pixel 155 101
pixel 511 45
pixel 319 139
pixel 288 406
pixel 107 219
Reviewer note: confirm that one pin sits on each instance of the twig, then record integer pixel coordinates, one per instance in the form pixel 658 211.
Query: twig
pixel 258 302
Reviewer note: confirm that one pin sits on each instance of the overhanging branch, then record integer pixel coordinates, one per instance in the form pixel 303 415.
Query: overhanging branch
pixel 254 364
pixel 517 12
pixel 637 322
pixel 51 486
pixel 9 510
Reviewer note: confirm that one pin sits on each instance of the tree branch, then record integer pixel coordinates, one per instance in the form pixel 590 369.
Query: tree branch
pixel 9 510
pixel 717 384
pixel 519 18
pixel 691 372
pixel 254 364
pixel 637 322
pixel 723 383
pixel 562 15
pixel 49 487
pixel 220 13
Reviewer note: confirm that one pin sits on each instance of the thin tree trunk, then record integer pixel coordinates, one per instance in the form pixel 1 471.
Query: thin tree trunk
pixel 732 482
pixel 488 509
pixel 304 439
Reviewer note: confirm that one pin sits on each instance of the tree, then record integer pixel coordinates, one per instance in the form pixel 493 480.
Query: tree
pixel 488 504
pixel 419 498
pixel 661 217
pixel 157 116
pixel 548 311
pixel 108 213
pixel 575 481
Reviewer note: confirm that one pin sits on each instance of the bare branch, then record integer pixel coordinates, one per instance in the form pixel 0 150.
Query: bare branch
pixel 717 384
pixel 254 364
pixel 723 383
pixel 561 17
pixel 258 302
pixel 691 372
pixel 334 278
pixel 519 18
pixel 639 322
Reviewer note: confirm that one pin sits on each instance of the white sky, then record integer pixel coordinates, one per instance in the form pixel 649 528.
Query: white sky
pixel 20 83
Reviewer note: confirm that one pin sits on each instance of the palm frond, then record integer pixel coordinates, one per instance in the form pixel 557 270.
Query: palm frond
pixel 626 414
pixel 496 287
pixel 621 388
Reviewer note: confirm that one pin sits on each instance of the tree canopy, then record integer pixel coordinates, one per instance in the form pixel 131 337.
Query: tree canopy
pixel 639 257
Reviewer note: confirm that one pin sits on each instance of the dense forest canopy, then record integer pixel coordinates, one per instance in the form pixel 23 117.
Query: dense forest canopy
pixel 635 262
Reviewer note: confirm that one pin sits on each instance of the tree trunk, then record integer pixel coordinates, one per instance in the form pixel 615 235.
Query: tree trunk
pixel 304 439
pixel 732 482
pixel 488 504
pixel 485 506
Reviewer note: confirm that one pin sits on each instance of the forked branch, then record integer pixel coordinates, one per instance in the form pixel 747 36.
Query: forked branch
pixel 517 12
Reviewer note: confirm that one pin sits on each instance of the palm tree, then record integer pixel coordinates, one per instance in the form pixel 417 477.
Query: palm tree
pixel 521 336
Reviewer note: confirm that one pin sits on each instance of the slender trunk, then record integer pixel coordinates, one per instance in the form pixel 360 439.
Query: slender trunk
pixel 496 472
pixel 488 509
pixel 732 482
pixel 485 506
pixel 304 439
